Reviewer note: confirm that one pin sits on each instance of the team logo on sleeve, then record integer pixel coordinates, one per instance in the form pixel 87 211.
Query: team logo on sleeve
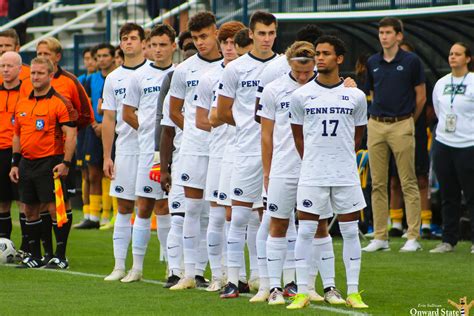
pixel 118 189
pixel 222 196
pixel 39 124
pixel 272 207
pixel 307 203
pixel 185 177
pixel 238 191
pixel 175 205
pixel 147 189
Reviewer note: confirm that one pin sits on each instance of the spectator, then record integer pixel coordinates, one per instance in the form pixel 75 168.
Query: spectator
pixel 453 148
pixel 16 9
pixel 119 57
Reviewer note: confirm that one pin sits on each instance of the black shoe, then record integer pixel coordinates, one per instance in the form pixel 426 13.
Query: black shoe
pixel 243 287
pixel 30 263
pixel 290 290
pixel 87 224
pixel 201 281
pixel 426 233
pixel 46 258
pixel 395 232
pixel 172 280
pixel 21 255
pixel 230 291
pixel 57 264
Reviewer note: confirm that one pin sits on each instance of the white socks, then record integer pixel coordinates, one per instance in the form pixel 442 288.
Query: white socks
pixel 236 241
pixel 163 225
pixel 252 230
pixel 262 236
pixel 303 255
pixel 215 239
pixel 351 253
pixel 289 266
pixel 140 236
pixel 276 253
pixel 175 245
pixel 202 257
pixel 191 234
pixel 121 239
pixel 324 259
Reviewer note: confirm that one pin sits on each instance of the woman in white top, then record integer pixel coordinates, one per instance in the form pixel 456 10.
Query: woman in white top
pixel 453 149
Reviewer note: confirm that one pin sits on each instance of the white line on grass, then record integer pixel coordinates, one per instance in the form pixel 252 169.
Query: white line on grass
pixel 93 275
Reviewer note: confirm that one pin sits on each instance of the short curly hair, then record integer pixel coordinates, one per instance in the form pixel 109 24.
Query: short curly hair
pixel 201 20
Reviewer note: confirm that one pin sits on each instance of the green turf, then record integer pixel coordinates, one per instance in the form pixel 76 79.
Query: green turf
pixel 393 282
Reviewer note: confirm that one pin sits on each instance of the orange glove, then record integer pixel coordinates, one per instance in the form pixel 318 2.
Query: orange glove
pixel 155 173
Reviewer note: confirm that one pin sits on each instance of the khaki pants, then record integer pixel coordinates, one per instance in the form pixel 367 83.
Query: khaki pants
pixel 398 138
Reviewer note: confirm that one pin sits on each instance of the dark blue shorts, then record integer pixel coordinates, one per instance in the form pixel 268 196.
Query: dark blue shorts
pixel 94 152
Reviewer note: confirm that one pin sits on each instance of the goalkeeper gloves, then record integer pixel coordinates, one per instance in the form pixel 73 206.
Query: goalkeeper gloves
pixel 155 172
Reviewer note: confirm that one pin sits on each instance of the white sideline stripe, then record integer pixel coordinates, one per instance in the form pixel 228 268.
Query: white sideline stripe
pixel 93 275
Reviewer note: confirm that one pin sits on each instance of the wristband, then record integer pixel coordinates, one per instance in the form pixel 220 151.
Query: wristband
pixel 16 157
pixel 67 163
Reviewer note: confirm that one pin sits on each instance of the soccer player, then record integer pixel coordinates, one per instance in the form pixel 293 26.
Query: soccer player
pixel 328 120
pixel 10 42
pixel 205 96
pixel 195 146
pixel 235 106
pixel 122 171
pixel 138 107
pixel 243 42
pixel 40 120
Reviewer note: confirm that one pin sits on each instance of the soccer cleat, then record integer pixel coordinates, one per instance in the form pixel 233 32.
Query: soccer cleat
pixel 87 224
pixel 116 275
pixel 411 246
pixel 314 296
pixel 395 232
pixel 376 244
pixel 426 233
pixel 103 222
pixel 354 300
pixel 172 280
pixel 201 281
pixel 291 289
pixel 108 226
pixel 261 296
pixel 57 263
pixel 230 291
pixel 243 287
pixel 254 284
pixel 183 284
pixel 276 297
pixel 21 255
pixel 215 286
pixel 45 259
pixel 442 248
pixel 299 301
pixel 333 297
pixel 132 276
pixel 30 263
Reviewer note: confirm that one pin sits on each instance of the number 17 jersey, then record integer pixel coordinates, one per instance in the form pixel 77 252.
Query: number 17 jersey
pixel 329 115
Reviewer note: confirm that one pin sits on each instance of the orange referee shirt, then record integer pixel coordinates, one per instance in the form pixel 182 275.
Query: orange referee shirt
pixel 24 73
pixel 67 85
pixel 38 123
pixel 8 100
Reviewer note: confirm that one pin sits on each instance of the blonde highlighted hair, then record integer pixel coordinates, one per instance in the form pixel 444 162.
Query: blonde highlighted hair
pixel 53 44
pixel 301 51
pixel 43 61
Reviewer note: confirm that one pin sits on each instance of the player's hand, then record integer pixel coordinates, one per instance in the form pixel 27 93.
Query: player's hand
pixel 350 83
pixel 155 173
pixel 109 171
pixel 14 174
pixel 97 130
pixel 165 181
pixel 60 170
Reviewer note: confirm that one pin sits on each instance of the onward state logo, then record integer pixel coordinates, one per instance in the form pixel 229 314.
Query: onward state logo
pixel 307 203
pixel 185 177
pixel 272 207
pixel 238 191
pixel 175 205
pixel 222 196
pixel 147 189
pixel 118 189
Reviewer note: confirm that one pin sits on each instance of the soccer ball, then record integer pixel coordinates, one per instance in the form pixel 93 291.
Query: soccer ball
pixel 7 251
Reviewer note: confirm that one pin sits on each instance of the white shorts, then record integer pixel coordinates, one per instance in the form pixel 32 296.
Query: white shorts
pixel 176 195
pixel 247 179
pixel 343 200
pixel 192 171
pixel 144 186
pixel 123 186
pixel 224 183
pixel 212 179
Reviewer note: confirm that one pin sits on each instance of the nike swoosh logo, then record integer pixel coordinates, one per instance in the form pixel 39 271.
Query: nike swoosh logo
pixel 193 71
pixel 291 240
pixel 355 204
pixel 149 78
pixel 173 247
pixel 353 259
pixel 213 245
pixel 186 237
pixel 287 92
pixel 299 259
pixel 232 242
pixel 117 238
pixel 312 98
pixel 261 258
pixel 327 258
pixel 273 259
pixel 376 69
pixel 119 80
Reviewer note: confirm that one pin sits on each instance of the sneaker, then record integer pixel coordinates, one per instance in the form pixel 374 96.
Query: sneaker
pixel 46 258
pixel 108 226
pixel 261 296
pixel 425 233
pixel 333 297
pixel 314 296
pixel 183 284
pixel 254 284
pixel 201 281
pixel 442 248
pixel 276 297
pixel 354 300
pixel 116 275
pixel 376 244
pixel 21 255
pixel 172 280
pixel 30 263
pixel 291 289
pixel 57 263
pixel 299 301
pixel 411 246
pixel 230 291
pixel 87 224
pixel 104 221
pixel 395 232
pixel 215 286
pixel 132 276
pixel 243 287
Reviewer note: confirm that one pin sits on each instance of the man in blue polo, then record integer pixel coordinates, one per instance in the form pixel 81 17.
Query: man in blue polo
pixel 397 85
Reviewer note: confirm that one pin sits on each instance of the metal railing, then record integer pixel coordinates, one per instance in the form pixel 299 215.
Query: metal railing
pixel 32 13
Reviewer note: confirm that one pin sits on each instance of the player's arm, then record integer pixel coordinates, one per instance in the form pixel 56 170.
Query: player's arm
pixel 257 107
pixel 420 97
pixel 130 117
pixel 298 137
pixel 359 133
pixel 297 120
pixel 70 133
pixel 14 174
pixel 213 119
pixel 83 105
pixel 224 109
pixel 267 126
pixel 166 155
pixel 202 119
pixel 108 133
pixel 226 95
pixel 176 111
pixel 349 83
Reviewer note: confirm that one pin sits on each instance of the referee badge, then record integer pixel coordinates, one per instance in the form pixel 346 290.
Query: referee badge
pixel 39 124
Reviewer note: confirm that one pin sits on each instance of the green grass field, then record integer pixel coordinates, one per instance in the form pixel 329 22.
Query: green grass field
pixel 394 283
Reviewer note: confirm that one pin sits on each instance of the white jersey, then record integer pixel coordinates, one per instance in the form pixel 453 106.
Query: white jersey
pixel 166 121
pixel 142 94
pixel 114 93
pixel 329 116
pixel 206 98
pixel 463 108
pixel 277 68
pixel 185 80
pixel 275 106
pixel 240 82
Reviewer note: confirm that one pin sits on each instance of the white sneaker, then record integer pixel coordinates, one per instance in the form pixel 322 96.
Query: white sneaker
pixel 405 235
pixel 132 276
pixel 116 275
pixel 261 296
pixel 254 284
pixel 276 297
pixel 183 284
pixel 472 249
pixel 216 285
pixel 375 245
pixel 442 248
pixel 333 297
pixel 411 246
pixel 314 296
